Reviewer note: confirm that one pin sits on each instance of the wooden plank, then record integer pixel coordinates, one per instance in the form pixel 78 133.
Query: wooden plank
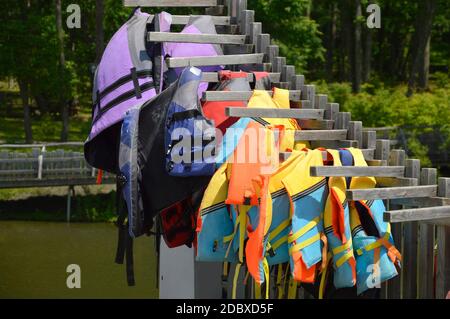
pixel 273 113
pixel 285 155
pixel 417 214
pixel 316 124
pixel 195 38
pixel 215 60
pixel 213 77
pixel 320 135
pixel 422 202
pixel 443 247
pixel 428 176
pixel 334 144
pixel 385 171
pixel 391 192
pixel 239 95
pixel 184 19
pixel 170 3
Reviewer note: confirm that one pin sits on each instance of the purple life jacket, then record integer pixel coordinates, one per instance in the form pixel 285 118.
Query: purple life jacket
pixel 123 78
pixel 131 72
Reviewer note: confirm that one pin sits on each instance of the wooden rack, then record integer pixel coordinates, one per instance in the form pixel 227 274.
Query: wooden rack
pixel 418 202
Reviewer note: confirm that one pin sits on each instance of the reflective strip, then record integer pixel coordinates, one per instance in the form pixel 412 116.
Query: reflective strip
pixel 266 274
pixel 373 245
pixel 339 249
pixel 303 230
pixel 279 242
pixel 347 255
pixel 274 233
pixel 228 238
pixel 304 244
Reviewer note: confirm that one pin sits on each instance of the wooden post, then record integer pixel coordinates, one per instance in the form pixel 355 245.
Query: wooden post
pixel 321 101
pixel 396 158
pixel 262 42
pixel 409 280
pixel 297 82
pixel 287 73
pixel 69 202
pixel 443 242
pixel 278 65
pixel 382 149
pixel 248 16
pixel 343 120
pixel 255 30
pixel 428 176
pixel 331 111
pixel 369 139
pixel 355 132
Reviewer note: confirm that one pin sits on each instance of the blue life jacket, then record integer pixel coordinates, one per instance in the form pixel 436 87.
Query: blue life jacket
pixel 189 137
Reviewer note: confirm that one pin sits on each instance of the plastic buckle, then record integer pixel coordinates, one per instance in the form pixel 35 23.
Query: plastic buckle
pixel 121 179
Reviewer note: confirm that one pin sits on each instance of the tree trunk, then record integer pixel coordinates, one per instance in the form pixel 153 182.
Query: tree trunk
pixel 421 37
pixel 25 97
pixel 424 70
pixel 62 65
pixel 367 56
pixel 356 83
pixel 347 39
pixel 99 33
pixel 331 42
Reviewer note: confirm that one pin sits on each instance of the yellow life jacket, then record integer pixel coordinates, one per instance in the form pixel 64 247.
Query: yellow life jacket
pixel 279 100
pixel 307 196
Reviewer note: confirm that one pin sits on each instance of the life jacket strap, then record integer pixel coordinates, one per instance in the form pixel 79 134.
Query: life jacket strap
pixel 278 282
pixel 235 279
pixel 302 231
pixel 225 274
pixel 292 290
pixel 304 244
pixel 347 246
pixel 323 279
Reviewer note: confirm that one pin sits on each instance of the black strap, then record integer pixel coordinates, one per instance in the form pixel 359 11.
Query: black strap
pixel 225 280
pixel 121 81
pixel 121 98
pixel 134 77
pixel 125 241
pixel 129 260
pixel 179 116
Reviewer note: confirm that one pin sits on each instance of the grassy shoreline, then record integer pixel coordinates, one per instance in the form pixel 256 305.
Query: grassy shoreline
pixel 90 204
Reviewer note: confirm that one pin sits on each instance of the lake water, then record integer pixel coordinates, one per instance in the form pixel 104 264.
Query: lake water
pixel 34 257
